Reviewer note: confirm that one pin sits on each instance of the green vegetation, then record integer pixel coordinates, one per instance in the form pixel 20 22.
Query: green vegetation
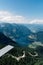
pixel 28 60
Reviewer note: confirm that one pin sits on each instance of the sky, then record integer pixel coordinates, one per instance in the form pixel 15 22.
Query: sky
pixel 21 11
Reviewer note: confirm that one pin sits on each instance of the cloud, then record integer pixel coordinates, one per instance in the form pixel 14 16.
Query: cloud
pixel 36 21
pixel 6 16
pixel 35 45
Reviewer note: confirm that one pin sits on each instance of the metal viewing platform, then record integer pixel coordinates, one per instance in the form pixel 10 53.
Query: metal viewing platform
pixel 5 49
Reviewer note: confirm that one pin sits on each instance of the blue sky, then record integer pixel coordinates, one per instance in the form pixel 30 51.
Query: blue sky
pixel 31 9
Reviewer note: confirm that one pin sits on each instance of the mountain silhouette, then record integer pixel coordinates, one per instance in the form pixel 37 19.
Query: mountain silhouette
pixel 6 40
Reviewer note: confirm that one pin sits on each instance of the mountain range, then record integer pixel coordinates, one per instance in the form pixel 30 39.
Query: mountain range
pixel 19 34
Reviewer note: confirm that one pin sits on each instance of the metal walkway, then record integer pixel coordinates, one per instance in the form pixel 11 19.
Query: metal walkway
pixel 5 49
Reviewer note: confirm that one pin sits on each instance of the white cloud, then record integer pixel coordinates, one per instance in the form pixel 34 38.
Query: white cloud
pixel 36 21
pixel 6 16
pixel 35 44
